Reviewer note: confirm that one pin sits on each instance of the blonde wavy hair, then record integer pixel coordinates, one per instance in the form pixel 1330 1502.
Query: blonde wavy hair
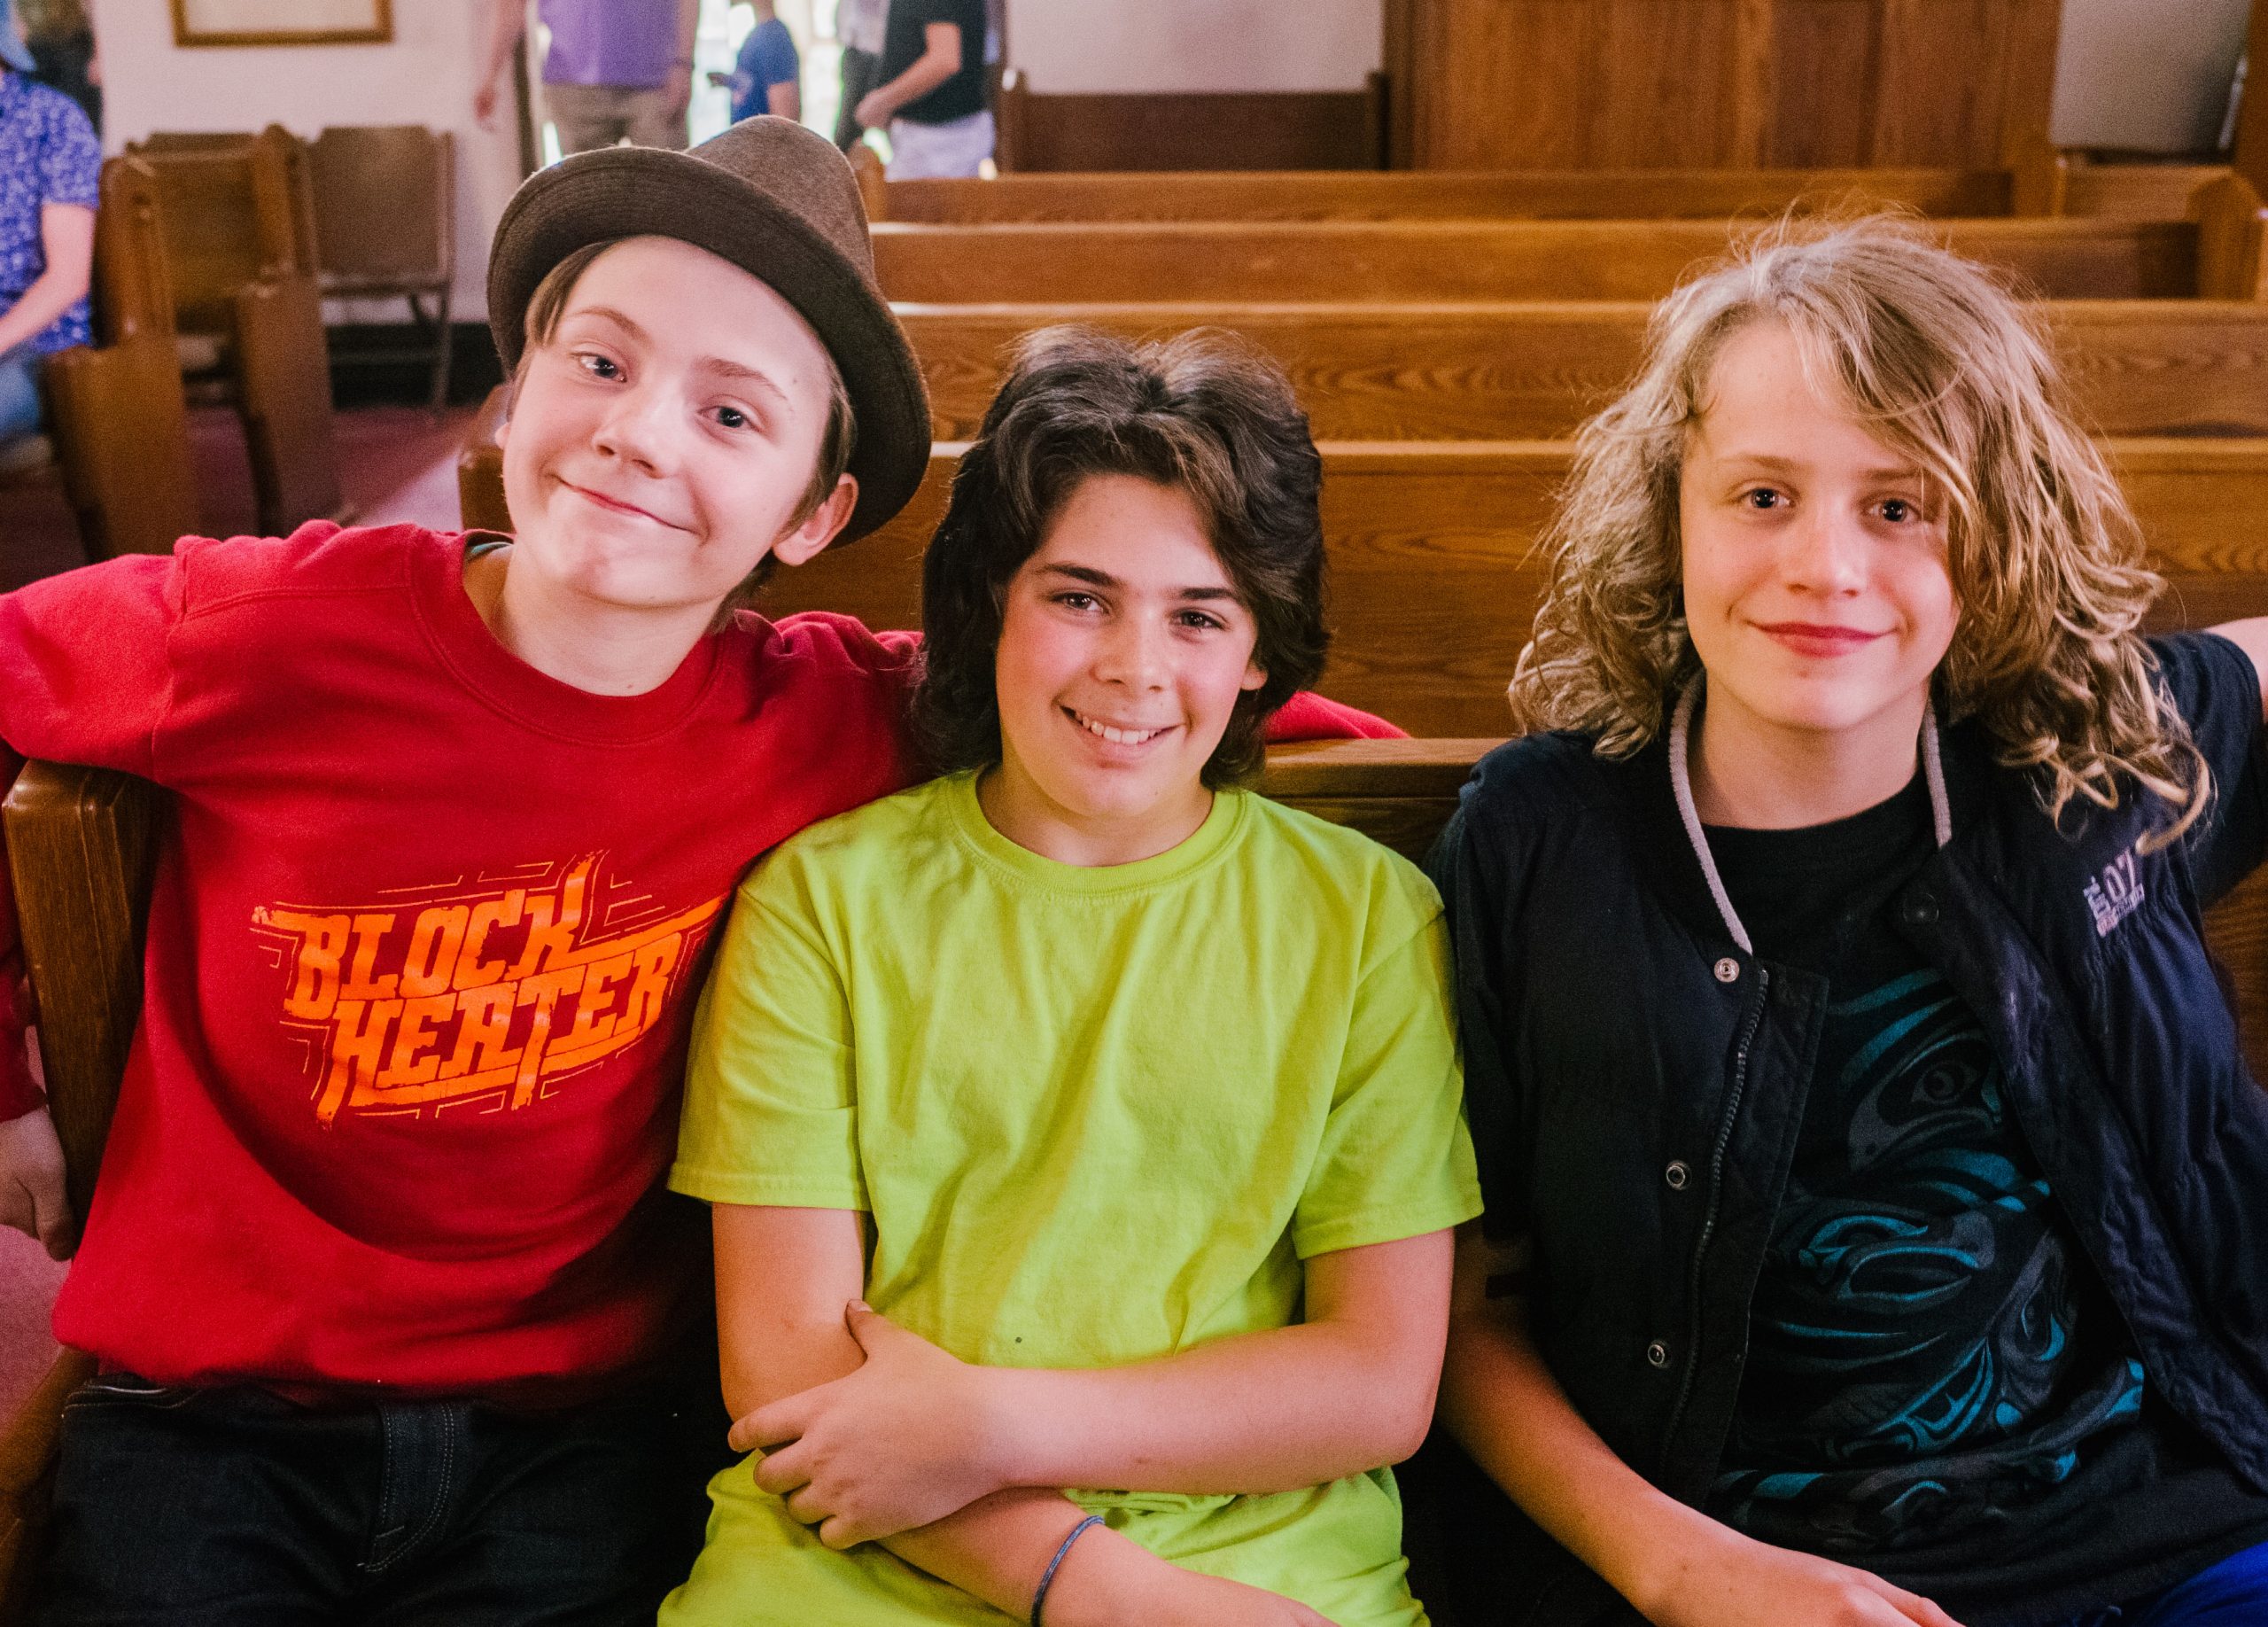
pixel 1943 367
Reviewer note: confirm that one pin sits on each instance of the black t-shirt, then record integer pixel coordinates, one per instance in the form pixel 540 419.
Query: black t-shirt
pixel 907 39
pixel 1938 1387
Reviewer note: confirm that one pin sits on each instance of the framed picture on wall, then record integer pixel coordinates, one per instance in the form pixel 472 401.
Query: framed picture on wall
pixel 283 22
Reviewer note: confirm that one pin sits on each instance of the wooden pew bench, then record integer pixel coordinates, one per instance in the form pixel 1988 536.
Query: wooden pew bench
pixel 83 844
pixel 240 237
pixel 1525 370
pixel 1416 195
pixel 1433 578
pixel 2120 191
pixel 117 416
pixel 1218 262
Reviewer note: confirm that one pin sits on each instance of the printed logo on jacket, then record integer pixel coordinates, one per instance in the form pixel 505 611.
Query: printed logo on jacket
pixel 486 999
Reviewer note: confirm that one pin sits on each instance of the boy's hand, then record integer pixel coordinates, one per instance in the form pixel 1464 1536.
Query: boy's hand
pixel 910 1437
pixel 31 1183
pixel 1729 1580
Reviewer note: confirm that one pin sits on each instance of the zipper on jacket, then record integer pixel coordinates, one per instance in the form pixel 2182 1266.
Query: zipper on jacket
pixel 1716 1198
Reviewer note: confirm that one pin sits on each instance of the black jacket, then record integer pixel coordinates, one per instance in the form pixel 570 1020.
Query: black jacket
pixel 1634 1082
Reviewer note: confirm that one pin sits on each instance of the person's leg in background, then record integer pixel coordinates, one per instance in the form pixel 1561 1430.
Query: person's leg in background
pixel 651 121
pixel 20 409
pixel 588 117
pixel 955 148
pixel 860 70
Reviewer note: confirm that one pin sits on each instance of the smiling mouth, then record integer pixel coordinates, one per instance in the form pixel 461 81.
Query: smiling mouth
pixel 1112 732
pixel 616 504
pixel 1813 636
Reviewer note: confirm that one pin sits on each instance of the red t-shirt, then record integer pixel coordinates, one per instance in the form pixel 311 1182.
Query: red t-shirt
pixel 422 946
pixel 422 943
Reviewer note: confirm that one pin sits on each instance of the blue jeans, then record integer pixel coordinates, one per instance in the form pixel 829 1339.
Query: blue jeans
pixel 20 413
pixel 2232 1594
pixel 235 1508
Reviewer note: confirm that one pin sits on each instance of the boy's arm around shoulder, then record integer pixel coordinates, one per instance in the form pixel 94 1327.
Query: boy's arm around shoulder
pixel 84 678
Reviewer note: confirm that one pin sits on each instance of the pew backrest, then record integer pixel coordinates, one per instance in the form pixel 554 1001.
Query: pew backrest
pixel 234 213
pixel 83 846
pixel 1433 573
pixel 121 430
pixel 1372 371
pixel 1539 194
pixel 1214 261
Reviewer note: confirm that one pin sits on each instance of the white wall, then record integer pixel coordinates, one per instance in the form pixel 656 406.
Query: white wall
pixel 2148 74
pixel 424 77
pixel 1069 46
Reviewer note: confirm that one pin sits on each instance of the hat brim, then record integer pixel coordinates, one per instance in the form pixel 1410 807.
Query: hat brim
pixel 649 191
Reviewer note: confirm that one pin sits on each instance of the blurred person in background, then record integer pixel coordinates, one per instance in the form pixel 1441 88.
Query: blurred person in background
pixel 767 76
pixel 615 70
pixel 932 93
pixel 50 170
pixel 61 36
pixel 858 24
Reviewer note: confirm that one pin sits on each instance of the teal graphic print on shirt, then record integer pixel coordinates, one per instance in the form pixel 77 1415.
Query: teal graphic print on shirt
pixel 1924 1340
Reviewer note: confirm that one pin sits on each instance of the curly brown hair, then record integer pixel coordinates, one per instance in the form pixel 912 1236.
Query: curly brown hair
pixel 1942 364
pixel 1199 412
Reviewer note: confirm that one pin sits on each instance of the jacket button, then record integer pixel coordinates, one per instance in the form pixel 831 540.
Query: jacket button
pixel 1658 1354
pixel 1727 970
pixel 1921 909
pixel 1677 1175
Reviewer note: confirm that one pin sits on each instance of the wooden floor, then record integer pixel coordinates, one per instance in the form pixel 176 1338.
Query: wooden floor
pixel 397 464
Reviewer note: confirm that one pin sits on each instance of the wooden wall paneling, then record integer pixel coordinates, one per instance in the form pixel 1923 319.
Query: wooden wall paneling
pixel 2250 158
pixel 1399 59
pixel 1665 86
pixel 1507 83
pixel 1825 57
pixel 1264 129
pixel 1958 78
pixel 1602 83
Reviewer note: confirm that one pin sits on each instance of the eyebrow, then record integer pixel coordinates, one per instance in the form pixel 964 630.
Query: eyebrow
pixel 1093 578
pixel 736 370
pixel 1785 465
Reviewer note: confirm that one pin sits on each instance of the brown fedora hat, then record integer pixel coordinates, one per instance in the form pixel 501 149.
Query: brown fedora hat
pixel 777 200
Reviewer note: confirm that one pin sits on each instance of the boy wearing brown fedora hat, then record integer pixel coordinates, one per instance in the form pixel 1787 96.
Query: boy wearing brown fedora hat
pixel 389 1300
pixel 395 1318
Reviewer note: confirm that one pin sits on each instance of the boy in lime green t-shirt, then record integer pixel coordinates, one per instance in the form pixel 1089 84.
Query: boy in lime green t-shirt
pixel 1129 1100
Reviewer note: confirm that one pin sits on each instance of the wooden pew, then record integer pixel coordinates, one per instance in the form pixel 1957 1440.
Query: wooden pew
pixel 1378 371
pixel 239 230
pixel 82 843
pixel 116 411
pixel 1053 262
pixel 1412 195
pixel 1434 580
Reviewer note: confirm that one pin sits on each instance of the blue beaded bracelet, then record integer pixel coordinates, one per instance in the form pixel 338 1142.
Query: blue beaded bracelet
pixel 1047 1576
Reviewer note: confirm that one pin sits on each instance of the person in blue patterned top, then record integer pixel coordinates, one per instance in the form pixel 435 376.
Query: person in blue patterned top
pixel 51 165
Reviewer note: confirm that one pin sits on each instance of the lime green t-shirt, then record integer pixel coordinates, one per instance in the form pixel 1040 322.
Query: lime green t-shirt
pixel 1096 1115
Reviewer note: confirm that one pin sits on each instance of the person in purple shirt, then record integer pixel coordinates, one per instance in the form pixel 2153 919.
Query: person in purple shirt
pixel 51 167
pixel 615 70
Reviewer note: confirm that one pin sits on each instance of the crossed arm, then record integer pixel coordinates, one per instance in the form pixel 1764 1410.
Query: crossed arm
pixel 879 1434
